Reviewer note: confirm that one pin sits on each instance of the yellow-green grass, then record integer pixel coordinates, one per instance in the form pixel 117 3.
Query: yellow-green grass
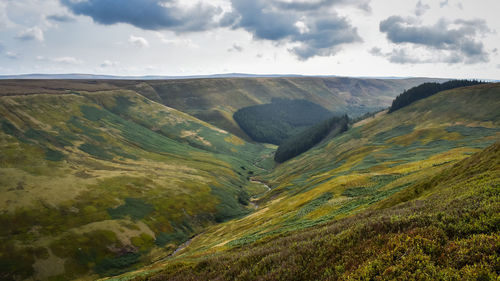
pixel 353 172
pixel 93 177
pixel 101 182
pixel 444 226
pixel 216 100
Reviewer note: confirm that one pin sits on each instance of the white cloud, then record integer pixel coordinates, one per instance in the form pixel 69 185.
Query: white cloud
pixel 235 48
pixel 33 33
pixel 12 55
pixel 108 63
pixel 138 41
pixel 176 41
pixel 4 18
pixel 67 60
pixel 170 49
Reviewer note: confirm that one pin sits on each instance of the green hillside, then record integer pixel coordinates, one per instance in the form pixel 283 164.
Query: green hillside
pixel 444 228
pixel 101 182
pixel 99 178
pixel 428 89
pixel 391 197
pixel 215 100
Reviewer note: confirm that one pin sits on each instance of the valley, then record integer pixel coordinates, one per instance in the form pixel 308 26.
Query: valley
pixel 156 180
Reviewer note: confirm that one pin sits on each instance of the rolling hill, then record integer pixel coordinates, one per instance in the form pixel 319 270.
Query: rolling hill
pixel 96 182
pixel 215 100
pixel 100 177
pixel 447 229
pixel 396 196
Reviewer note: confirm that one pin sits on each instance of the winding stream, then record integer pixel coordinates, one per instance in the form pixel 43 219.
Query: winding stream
pixel 254 198
pixel 255 206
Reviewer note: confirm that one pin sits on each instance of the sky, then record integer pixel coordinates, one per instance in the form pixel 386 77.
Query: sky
pixel 424 38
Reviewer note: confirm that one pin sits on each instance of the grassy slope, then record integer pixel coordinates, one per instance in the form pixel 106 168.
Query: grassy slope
pixel 445 227
pixel 216 100
pixel 353 172
pixel 95 181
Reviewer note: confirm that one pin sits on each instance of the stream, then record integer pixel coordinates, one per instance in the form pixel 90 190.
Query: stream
pixel 182 246
pixel 255 206
pixel 254 198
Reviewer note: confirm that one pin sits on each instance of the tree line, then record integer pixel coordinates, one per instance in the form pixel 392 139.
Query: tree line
pixel 308 138
pixel 426 90
pixel 280 119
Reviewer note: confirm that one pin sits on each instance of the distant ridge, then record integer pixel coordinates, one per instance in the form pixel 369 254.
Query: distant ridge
pixel 165 77
pixel 146 77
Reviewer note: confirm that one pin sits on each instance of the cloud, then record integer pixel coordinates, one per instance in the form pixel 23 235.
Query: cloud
pixel 312 31
pixel 176 41
pixel 12 55
pixel 61 18
pixel 317 5
pixel 108 63
pixel 148 14
pixel 138 41
pixel 376 51
pixel 312 28
pixel 403 55
pixel 457 39
pixel 4 17
pixel 235 48
pixel 33 33
pixel 61 60
pixel 67 60
pixel 420 9
pixel 444 3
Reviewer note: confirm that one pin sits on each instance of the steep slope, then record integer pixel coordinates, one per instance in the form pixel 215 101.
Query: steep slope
pixel 99 182
pixel 279 120
pixel 215 100
pixel 447 229
pixel 310 137
pixel 354 173
pixel 428 89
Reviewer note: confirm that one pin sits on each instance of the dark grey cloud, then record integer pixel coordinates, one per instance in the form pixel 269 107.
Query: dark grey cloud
pixel 148 14
pixel 313 27
pixel 458 38
pixel 315 32
pixel 61 18
pixel 421 8
pixel 402 56
pixel 408 56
